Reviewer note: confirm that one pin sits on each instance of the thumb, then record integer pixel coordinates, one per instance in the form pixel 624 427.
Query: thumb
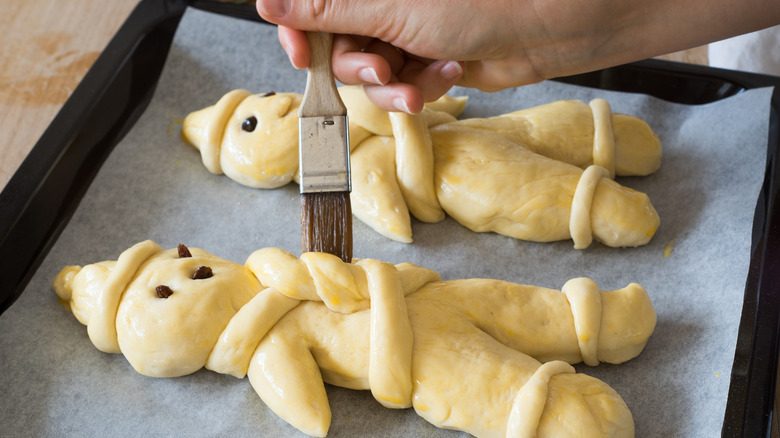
pixel 273 10
pixel 344 17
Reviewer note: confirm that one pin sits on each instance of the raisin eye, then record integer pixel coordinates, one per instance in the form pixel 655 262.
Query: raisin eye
pixel 249 124
pixel 202 273
pixel 163 291
pixel 184 252
pixel 270 93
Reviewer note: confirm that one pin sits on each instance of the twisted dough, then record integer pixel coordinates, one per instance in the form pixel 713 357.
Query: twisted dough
pixel 398 169
pixel 465 353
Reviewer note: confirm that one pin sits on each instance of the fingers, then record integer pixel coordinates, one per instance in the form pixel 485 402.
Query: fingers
pixel 296 45
pixel 396 96
pixel 405 82
pixel 390 44
pixel 358 60
pixel 394 79
pixel 433 79
pixel 342 16
pixel 417 83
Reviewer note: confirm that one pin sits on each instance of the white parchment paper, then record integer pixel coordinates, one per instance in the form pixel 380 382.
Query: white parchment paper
pixel 153 186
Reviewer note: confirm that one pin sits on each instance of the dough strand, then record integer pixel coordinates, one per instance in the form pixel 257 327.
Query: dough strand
pixel 603 137
pixel 531 400
pixel 579 223
pixel 102 328
pixel 585 300
pixel 390 362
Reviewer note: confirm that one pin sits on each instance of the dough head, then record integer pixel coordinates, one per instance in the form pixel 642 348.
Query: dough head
pixel 160 334
pixel 252 138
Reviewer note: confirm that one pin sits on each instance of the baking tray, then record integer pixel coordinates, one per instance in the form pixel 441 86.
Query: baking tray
pixel 46 189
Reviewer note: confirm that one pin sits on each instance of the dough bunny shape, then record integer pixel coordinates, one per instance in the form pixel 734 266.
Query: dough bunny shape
pixel 431 164
pixel 253 139
pixel 488 357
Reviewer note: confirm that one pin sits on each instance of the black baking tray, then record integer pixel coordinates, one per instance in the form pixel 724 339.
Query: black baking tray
pixel 45 191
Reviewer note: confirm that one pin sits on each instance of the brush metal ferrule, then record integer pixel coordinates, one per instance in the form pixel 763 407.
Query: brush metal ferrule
pixel 323 146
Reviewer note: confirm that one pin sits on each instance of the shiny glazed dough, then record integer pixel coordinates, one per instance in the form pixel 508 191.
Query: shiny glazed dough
pixel 528 196
pixel 265 157
pixel 376 196
pixel 464 353
pixel 159 337
pixel 564 132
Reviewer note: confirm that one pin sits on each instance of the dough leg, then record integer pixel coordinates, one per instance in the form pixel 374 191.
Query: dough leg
pixel 286 377
pixel 471 382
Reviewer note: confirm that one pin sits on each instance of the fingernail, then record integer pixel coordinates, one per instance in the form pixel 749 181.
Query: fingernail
pixel 274 8
pixel 451 70
pixel 400 104
pixel 368 74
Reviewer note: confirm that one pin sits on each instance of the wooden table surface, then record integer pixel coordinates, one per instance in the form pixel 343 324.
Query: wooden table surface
pixel 48 46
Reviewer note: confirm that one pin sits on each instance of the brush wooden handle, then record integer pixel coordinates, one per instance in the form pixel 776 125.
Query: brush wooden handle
pixel 321 97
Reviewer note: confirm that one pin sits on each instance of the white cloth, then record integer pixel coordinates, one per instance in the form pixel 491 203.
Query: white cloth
pixel 757 52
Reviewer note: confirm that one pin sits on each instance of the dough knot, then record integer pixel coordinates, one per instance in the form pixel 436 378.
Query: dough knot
pixel 352 287
pixel 585 301
pixel 579 222
pixel 531 400
pixel 317 276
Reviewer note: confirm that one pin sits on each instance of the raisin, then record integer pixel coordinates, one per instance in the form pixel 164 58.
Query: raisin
pixel 184 252
pixel 163 291
pixel 269 94
pixel 202 273
pixel 249 124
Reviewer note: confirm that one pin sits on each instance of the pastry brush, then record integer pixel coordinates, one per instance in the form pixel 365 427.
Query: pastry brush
pixel 323 144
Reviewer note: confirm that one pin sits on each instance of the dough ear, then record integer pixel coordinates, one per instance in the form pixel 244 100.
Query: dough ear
pixel 203 129
pixel 281 106
pixel 448 104
pixel 287 379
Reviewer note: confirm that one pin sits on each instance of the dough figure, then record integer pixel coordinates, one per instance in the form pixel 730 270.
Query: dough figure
pixel 540 174
pixel 488 357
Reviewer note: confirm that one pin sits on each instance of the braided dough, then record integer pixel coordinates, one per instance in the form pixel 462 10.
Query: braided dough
pixel 484 356
pixel 524 174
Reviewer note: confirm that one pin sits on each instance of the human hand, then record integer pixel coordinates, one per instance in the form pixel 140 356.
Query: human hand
pixel 407 52
pixel 410 57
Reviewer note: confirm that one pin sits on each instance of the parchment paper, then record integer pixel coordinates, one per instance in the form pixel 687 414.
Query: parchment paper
pixel 153 186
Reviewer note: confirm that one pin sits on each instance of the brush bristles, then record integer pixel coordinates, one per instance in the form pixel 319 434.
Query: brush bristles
pixel 326 224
